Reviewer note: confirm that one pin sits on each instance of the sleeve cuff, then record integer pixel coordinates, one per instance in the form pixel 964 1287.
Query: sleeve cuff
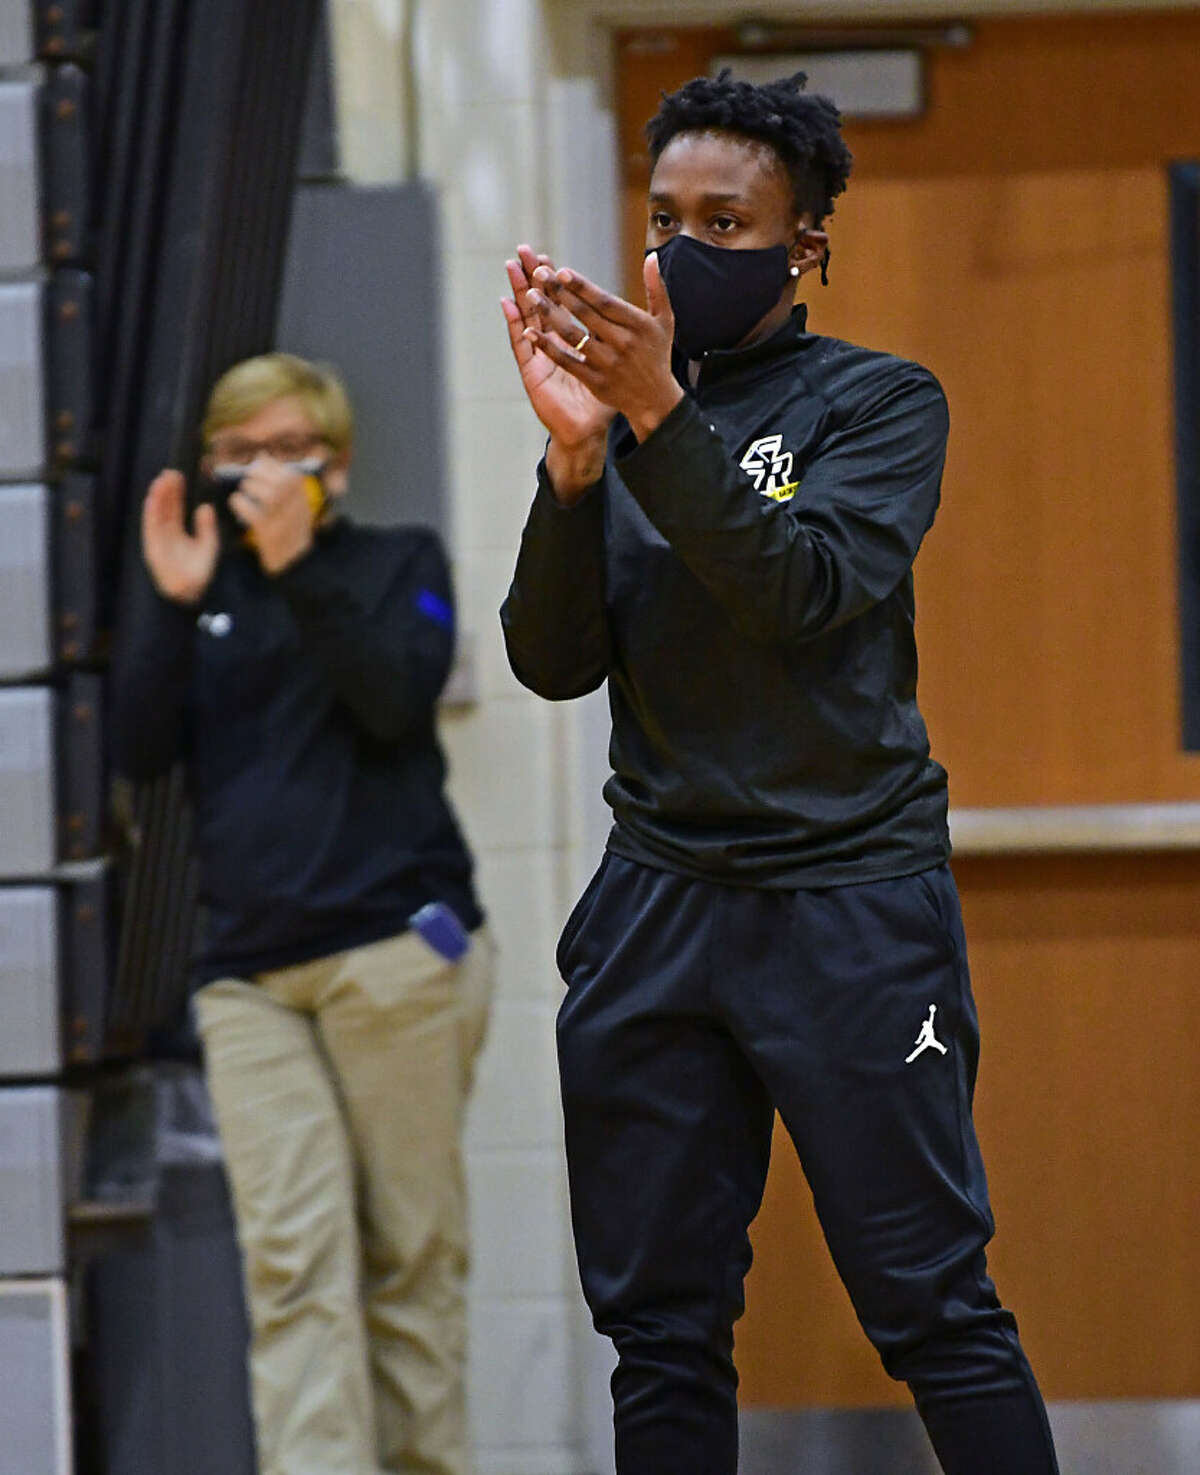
pixel 179 619
pixel 310 582
pixel 670 446
pixel 545 493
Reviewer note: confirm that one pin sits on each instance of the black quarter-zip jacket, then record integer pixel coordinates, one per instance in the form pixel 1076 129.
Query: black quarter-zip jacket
pixel 304 707
pixel 743 581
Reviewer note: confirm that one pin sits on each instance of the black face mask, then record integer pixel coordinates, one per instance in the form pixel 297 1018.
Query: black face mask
pixel 718 294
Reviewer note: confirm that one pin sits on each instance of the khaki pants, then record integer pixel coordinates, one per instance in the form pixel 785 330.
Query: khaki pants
pixel 339 1087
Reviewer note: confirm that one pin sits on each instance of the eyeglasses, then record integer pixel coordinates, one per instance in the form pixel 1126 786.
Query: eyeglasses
pixel 235 451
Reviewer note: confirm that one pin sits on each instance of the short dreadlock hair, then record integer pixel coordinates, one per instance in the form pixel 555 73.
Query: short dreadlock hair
pixel 803 129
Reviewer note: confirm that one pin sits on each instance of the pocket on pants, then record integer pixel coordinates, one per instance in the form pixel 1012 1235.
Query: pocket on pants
pixel 940 898
pixel 579 915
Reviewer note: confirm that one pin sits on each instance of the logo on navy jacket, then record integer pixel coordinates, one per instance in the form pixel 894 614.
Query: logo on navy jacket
pixel 769 467
pixel 219 624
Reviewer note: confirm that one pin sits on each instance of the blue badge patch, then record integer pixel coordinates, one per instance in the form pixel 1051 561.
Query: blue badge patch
pixel 435 609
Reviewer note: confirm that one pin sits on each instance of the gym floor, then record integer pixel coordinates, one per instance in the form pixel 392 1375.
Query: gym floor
pixel 1127 1438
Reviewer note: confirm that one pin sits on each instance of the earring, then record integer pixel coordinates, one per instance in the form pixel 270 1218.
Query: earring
pixel 794 271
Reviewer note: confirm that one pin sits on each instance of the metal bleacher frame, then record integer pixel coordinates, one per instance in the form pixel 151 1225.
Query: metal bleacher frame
pixel 166 141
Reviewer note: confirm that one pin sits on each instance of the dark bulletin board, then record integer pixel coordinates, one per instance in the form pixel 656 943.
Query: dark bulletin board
pixel 361 292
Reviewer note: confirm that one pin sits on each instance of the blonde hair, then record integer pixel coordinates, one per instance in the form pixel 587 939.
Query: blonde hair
pixel 257 382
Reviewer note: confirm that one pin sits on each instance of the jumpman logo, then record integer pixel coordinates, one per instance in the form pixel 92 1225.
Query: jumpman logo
pixel 926 1040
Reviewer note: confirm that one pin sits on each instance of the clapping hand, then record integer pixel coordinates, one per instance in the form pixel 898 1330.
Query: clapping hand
pixel 576 420
pixel 180 563
pixel 620 353
pixel 272 502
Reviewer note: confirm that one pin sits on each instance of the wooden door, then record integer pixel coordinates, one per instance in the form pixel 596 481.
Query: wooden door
pixel 1014 240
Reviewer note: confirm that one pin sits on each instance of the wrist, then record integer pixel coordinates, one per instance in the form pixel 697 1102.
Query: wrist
pixel 645 419
pixel 186 594
pixel 275 564
pixel 573 469
pixel 278 548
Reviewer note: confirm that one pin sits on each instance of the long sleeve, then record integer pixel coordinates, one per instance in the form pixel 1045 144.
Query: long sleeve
pixel 790 571
pixel 387 654
pixel 150 682
pixel 555 618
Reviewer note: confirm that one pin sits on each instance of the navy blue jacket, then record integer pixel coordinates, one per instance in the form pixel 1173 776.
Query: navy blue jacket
pixel 304 708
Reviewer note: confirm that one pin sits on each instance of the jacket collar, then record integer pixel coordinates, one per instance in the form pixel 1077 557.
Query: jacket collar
pixel 722 362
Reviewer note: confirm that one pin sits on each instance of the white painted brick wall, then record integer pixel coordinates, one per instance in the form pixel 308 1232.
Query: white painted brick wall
pixel 485 106
pixel 480 80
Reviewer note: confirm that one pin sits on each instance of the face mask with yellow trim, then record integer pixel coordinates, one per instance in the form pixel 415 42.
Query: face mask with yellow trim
pixel 226 479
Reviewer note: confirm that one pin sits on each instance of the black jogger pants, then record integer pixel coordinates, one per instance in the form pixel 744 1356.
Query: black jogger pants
pixel 692 1012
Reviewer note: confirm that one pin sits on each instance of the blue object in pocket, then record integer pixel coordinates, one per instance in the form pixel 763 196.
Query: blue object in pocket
pixel 442 930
